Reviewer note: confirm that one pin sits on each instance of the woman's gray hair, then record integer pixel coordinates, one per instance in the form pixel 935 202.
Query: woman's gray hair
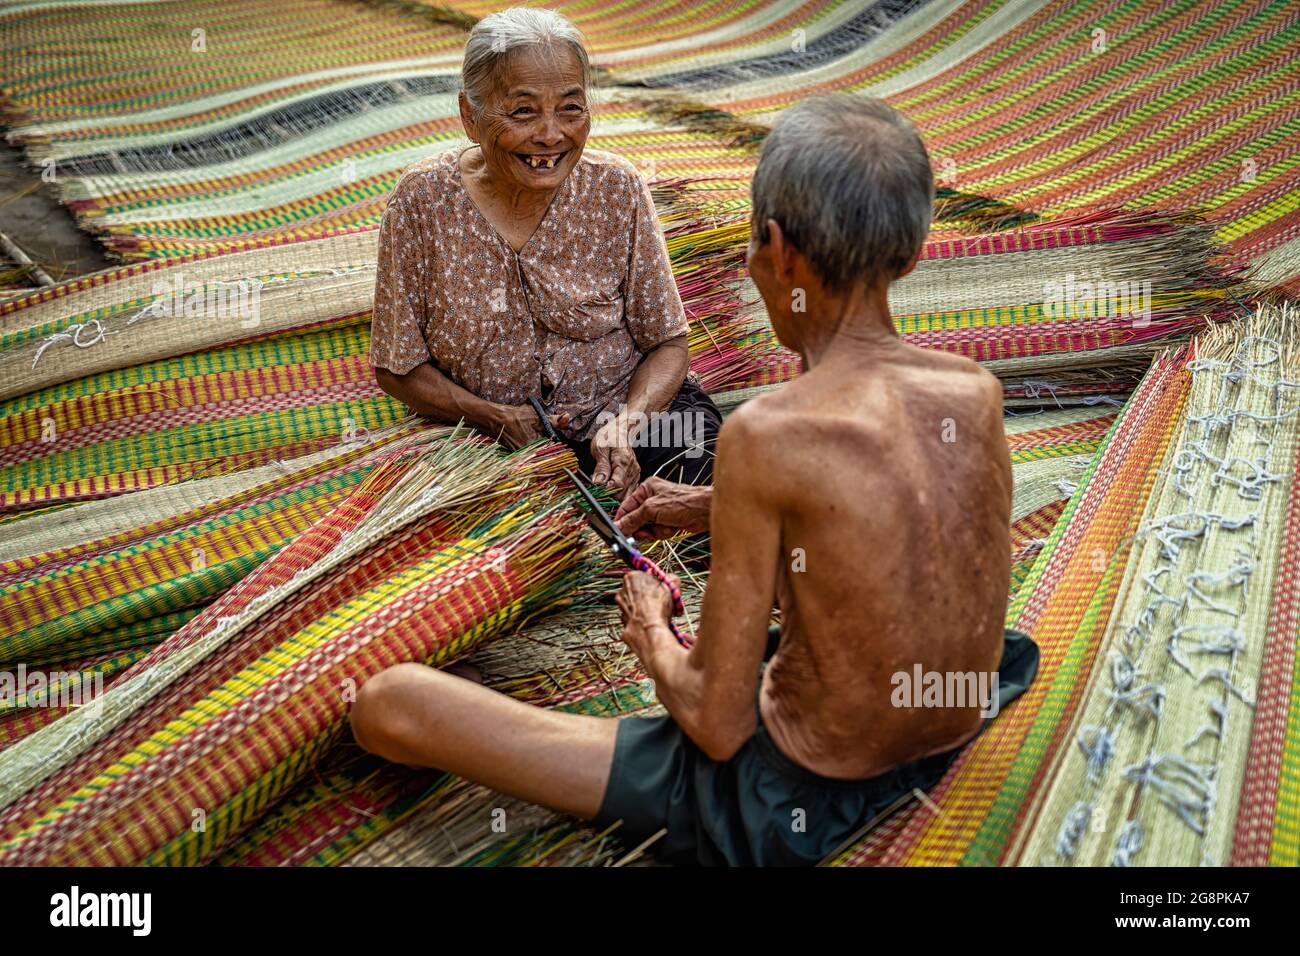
pixel 849 181
pixel 494 37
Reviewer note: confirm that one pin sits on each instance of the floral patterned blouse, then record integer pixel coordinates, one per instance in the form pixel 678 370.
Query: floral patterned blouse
pixel 567 319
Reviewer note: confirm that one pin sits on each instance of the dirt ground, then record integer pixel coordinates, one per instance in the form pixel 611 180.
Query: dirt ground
pixel 33 219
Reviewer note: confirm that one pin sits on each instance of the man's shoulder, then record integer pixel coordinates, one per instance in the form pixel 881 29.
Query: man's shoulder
pixel 761 414
pixel 947 373
pixel 751 462
pixel 760 428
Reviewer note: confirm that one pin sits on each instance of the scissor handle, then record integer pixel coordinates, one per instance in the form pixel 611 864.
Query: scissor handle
pixel 547 427
pixel 640 562
pixel 682 639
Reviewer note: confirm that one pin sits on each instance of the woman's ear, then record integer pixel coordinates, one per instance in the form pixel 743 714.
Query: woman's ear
pixel 467 117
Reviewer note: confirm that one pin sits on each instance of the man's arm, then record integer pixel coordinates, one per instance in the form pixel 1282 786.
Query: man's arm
pixel 659 508
pixel 710 689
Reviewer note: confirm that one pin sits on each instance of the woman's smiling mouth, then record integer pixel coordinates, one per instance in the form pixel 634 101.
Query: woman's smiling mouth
pixel 542 160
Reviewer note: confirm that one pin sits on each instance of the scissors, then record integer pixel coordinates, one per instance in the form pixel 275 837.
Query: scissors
pixel 628 553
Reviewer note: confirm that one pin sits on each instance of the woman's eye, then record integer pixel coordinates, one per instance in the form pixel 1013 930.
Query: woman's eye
pixel 523 111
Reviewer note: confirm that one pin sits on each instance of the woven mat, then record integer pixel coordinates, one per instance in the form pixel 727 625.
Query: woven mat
pixel 1053 105
pixel 213 717
pixel 1155 754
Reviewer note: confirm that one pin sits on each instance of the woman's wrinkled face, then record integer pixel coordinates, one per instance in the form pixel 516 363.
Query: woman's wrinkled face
pixel 535 125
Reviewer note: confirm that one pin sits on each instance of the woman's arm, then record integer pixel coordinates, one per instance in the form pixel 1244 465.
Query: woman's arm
pixel 654 384
pixel 659 376
pixel 427 391
pixel 657 323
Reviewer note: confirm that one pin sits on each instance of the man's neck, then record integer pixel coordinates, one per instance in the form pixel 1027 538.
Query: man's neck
pixel 856 324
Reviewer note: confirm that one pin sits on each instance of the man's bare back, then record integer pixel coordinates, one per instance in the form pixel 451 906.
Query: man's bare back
pixel 894 489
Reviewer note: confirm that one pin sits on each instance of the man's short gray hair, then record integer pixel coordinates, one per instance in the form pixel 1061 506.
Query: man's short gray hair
pixel 494 37
pixel 849 181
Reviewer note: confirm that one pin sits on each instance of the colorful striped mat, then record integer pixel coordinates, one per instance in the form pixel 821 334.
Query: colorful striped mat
pixel 441 527
pixel 1154 755
pixel 1052 106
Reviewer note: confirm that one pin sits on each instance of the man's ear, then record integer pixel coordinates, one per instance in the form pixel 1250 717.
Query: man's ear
pixel 911 265
pixel 783 252
pixel 467 117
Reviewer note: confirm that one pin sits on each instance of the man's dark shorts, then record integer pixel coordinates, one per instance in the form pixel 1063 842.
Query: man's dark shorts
pixel 760 807
pixel 678 447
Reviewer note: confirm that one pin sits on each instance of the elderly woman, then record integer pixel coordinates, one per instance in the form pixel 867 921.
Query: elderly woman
pixel 523 266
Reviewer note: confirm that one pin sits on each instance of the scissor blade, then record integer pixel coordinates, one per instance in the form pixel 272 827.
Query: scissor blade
pixel 597 516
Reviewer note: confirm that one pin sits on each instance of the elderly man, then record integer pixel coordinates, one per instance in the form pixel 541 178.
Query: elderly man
pixel 869 498
pixel 524 266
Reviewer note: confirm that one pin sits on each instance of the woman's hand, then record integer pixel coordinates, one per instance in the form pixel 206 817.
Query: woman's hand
pixel 516 425
pixel 616 464
pixel 660 509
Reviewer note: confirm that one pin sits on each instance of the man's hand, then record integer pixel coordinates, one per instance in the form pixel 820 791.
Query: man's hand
pixel 616 464
pixel 646 604
pixel 660 509
pixel 516 425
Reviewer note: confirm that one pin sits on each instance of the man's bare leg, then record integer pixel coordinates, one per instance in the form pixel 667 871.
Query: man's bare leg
pixel 419 716
pixel 465 669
